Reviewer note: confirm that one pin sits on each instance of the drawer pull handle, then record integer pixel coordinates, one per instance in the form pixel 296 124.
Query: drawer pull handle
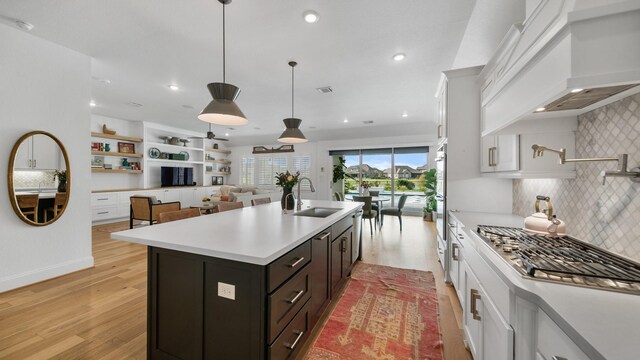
pixel 454 254
pixel 321 236
pixel 559 358
pixel 475 295
pixel 103 199
pixel 296 262
pixel 103 212
pixel 295 298
pixel 295 342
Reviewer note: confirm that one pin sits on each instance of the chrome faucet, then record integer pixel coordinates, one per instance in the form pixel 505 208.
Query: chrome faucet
pixel 286 201
pixel 313 189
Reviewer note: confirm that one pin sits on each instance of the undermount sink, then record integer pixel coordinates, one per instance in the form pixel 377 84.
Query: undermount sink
pixel 318 212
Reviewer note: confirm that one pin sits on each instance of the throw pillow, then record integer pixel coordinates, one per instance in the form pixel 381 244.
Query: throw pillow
pixel 233 196
pixel 224 198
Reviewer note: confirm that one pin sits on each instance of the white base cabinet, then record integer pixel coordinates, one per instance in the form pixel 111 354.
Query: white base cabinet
pixel 553 344
pixel 488 335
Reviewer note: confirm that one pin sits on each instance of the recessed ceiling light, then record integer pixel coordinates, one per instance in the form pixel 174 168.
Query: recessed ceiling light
pixel 368 122
pixel 174 87
pixel 541 109
pixel 346 120
pixel 399 57
pixel 404 115
pixel 325 89
pixel 101 80
pixel 576 90
pixel 310 16
pixel 226 134
pixel 92 103
pixel 24 25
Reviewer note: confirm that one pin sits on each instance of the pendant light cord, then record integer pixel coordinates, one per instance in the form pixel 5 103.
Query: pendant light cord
pixel 224 60
pixel 292 92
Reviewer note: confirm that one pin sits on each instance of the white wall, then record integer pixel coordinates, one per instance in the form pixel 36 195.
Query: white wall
pixel 321 162
pixel 44 87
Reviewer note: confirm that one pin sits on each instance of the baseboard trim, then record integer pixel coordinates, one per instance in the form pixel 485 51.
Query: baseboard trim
pixel 31 277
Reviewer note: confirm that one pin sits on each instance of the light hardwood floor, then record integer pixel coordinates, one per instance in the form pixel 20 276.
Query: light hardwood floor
pixel 100 313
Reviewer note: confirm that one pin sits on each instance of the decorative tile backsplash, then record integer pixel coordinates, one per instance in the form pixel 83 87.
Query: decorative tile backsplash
pixel 34 179
pixel 605 215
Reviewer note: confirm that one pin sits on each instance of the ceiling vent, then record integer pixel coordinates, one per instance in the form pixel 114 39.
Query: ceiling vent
pixel 325 89
pixel 134 104
pixel 585 97
pixel 368 122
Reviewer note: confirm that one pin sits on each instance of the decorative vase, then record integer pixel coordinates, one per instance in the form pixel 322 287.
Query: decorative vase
pixel 62 187
pixel 290 202
pixel 107 147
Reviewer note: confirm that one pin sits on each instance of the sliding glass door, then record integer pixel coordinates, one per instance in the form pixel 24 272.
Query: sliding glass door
pixel 388 172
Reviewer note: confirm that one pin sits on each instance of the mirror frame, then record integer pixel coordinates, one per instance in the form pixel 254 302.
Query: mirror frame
pixel 12 192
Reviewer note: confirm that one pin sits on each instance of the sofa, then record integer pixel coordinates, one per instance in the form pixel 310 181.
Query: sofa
pixel 243 194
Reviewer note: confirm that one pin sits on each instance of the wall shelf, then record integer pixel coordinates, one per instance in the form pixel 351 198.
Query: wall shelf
pixel 219 151
pixel 176 161
pixel 115 171
pixel 116 137
pixel 218 173
pixel 153 144
pixel 116 154
pixel 227 162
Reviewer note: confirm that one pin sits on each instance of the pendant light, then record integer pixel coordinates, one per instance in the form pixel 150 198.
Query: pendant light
pixel 292 134
pixel 222 110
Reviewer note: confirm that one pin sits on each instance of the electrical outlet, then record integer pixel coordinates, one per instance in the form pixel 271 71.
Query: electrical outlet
pixel 226 291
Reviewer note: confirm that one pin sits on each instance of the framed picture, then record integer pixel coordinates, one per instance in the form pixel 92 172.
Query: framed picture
pixel 128 148
pixel 97 162
pixel 95 146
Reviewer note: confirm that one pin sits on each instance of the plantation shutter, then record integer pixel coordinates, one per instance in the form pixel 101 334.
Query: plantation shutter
pixel 247 171
pixel 268 167
pixel 302 163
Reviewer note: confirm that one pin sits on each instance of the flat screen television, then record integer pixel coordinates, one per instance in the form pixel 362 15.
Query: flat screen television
pixel 176 176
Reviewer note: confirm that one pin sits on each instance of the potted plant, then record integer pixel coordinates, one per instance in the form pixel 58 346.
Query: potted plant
pixel 62 180
pixel 430 192
pixel 338 170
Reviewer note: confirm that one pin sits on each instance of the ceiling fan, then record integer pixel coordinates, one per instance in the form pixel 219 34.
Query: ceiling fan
pixel 210 135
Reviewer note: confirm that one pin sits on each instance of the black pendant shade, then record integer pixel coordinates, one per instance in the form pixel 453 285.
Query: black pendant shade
pixel 222 110
pixel 292 134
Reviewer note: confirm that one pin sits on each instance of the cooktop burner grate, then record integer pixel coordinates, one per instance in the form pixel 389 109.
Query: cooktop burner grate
pixel 562 259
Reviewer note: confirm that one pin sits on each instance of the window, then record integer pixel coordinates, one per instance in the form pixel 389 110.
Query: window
pixel 302 163
pixel 261 170
pixel 268 167
pixel 247 171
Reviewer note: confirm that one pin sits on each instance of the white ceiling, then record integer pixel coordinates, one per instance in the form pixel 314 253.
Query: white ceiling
pixel 143 46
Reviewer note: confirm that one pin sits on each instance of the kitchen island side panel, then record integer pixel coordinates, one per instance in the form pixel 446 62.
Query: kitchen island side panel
pixel 188 320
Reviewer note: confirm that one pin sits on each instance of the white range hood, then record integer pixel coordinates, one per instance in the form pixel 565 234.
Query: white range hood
pixel 589 47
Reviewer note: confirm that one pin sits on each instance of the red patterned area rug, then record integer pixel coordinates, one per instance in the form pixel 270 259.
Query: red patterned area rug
pixel 384 313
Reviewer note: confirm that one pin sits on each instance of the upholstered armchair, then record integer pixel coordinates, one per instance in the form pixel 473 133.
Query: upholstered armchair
pixel 147 208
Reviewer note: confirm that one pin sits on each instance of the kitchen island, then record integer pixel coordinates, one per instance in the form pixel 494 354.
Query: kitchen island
pixel 244 284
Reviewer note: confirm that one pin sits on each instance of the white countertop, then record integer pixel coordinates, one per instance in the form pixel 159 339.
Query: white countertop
pixel 43 194
pixel 256 235
pixel 604 320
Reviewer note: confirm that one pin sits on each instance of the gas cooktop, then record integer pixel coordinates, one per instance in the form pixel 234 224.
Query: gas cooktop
pixel 562 259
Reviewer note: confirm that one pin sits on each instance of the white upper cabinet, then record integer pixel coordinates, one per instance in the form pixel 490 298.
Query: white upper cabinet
pixel 39 152
pixel 442 110
pixel 562 46
pixel 23 156
pixel 500 153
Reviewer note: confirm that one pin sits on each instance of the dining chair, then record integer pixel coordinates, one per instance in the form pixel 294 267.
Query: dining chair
pixel 228 205
pixel 181 214
pixel 148 209
pixel 339 196
pixel 260 201
pixel 374 192
pixel 58 205
pixel 367 212
pixel 28 205
pixel 395 211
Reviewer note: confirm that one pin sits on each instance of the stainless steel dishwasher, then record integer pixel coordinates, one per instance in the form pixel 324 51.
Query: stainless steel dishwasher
pixel 357 236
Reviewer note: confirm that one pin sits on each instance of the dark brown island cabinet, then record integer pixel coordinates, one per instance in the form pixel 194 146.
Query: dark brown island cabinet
pixel 269 314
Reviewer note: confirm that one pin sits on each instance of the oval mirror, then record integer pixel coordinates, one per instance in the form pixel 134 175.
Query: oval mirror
pixel 39 178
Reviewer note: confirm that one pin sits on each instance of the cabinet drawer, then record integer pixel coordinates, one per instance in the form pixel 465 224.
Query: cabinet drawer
pixel 289 343
pixel 553 343
pixel 284 303
pixel 104 213
pixel 102 199
pixel 287 265
pixel 341 226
